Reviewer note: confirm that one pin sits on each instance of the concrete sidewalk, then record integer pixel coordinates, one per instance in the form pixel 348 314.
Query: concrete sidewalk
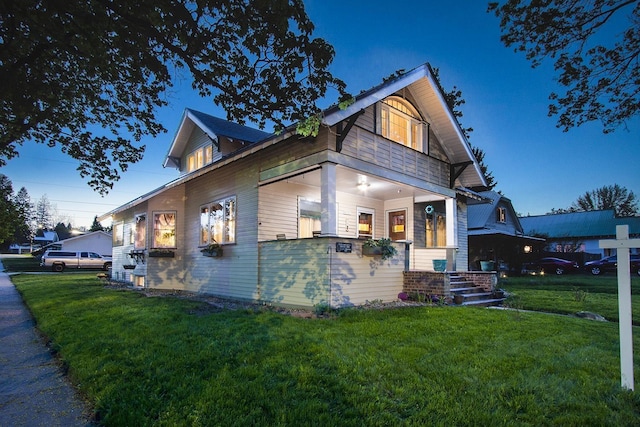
pixel 33 390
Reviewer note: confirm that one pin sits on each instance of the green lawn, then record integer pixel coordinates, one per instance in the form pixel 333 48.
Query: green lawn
pixel 570 294
pixel 166 361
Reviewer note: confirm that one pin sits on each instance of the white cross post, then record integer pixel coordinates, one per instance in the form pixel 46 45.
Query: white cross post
pixel 622 243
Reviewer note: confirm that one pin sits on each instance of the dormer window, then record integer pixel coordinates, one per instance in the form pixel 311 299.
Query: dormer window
pixel 502 215
pixel 400 122
pixel 200 157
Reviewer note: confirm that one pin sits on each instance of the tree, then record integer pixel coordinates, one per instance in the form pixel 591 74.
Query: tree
pixel 597 60
pixel 67 68
pixel 24 211
pixel 44 213
pixel 96 226
pixel 8 212
pixel 621 200
pixel 454 100
pixel 63 231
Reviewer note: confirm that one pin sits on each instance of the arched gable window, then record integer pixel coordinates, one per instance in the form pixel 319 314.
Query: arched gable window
pixel 400 122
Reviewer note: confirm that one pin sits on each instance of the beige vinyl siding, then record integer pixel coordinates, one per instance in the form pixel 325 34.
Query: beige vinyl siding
pixel 198 139
pixel 233 275
pixel 167 273
pixel 310 271
pixel 120 254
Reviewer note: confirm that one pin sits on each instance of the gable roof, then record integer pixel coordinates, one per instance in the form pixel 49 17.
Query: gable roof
pixel 213 127
pixel 594 224
pixel 481 216
pixel 430 100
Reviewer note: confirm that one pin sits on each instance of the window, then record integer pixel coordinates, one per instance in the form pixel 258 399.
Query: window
pixel 436 226
pixel 400 122
pixel 309 217
pixel 398 225
pixel 218 222
pixel 164 230
pixel 118 234
pixel 200 157
pixel 502 215
pixel 365 223
pixel 140 238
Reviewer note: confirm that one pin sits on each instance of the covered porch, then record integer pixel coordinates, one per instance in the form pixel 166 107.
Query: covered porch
pixel 301 200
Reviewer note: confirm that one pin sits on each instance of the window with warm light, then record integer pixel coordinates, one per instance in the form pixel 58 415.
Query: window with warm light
pixel 400 122
pixel 365 223
pixel 398 225
pixel 164 230
pixel 435 225
pixel 200 157
pixel 218 222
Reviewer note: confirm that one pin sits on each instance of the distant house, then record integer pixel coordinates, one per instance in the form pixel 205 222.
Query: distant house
pixel 46 238
pixel 579 231
pixel 99 242
pixel 291 214
pixel 496 234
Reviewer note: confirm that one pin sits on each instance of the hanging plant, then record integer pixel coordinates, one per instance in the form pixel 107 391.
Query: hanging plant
pixel 382 247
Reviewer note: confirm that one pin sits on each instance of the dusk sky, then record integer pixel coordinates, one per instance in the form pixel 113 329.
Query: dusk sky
pixel 536 165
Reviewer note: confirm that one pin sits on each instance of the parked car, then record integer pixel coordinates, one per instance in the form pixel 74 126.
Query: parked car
pixel 59 260
pixel 610 264
pixel 554 265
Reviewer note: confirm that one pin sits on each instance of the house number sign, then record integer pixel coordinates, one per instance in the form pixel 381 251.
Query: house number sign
pixel 344 247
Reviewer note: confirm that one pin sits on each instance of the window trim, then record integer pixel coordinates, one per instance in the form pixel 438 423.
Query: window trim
pixel 137 219
pixel 154 243
pixel 501 213
pixel 234 218
pixel 368 211
pixel 414 121
pixel 118 233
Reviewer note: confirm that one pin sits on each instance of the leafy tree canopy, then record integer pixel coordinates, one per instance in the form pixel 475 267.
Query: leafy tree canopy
pixel 621 200
pixel 68 68
pixel 596 58
pixel 96 226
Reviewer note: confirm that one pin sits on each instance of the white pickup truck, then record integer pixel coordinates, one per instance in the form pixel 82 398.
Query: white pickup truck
pixel 59 260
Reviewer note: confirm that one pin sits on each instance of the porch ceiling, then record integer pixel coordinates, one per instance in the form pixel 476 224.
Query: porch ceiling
pixel 357 183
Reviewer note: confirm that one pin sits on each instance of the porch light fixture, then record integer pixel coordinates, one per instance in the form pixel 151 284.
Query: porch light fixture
pixel 363 184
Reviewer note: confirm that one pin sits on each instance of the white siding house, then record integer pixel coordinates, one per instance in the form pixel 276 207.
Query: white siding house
pixel 291 213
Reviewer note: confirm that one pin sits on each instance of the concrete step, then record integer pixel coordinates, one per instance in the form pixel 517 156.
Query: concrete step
pixel 485 302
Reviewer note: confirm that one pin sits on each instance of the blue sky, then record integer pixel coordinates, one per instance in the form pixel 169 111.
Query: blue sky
pixel 536 165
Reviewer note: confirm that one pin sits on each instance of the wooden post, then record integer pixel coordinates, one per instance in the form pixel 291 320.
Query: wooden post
pixel 622 243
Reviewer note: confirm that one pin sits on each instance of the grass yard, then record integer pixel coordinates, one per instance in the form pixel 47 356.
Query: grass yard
pixel 570 294
pixel 168 361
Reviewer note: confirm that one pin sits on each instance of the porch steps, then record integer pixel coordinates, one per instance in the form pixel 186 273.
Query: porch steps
pixel 471 294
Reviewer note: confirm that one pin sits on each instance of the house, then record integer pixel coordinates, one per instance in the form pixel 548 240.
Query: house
pixel 496 234
pixel 46 238
pixel 580 232
pixel 290 214
pixel 99 242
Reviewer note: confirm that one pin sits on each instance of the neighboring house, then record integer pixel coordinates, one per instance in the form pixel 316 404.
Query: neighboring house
pixel 291 213
pixel 496 234
pixel 580 231
pixel 46 238
pixel 98 241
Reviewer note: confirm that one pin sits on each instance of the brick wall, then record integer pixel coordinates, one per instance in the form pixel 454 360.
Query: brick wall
pixel 435 283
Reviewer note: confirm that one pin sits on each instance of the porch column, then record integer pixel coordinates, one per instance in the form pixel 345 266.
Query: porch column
pixel 329 220
pixel 452 233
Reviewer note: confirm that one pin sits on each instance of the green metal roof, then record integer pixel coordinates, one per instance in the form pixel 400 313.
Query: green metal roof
pixel 579 224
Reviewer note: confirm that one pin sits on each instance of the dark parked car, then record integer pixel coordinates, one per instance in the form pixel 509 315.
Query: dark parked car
pixel 610 264
pixel 555 265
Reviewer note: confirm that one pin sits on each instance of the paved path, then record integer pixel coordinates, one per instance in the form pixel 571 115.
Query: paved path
pixel 33 390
